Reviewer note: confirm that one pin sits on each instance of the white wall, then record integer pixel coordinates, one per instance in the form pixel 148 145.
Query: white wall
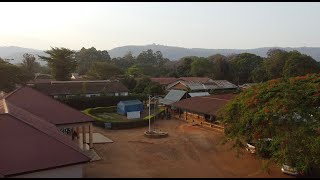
pixel 124 94
pixel 74 171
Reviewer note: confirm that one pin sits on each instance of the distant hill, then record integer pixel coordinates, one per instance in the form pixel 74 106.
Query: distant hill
pixel 16 53
pixel 175 53
pixel 171 52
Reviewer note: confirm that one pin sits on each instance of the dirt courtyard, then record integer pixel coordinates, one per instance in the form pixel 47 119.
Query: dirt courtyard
pixel 189 151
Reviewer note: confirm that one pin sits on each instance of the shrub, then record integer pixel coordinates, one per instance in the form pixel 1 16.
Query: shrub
pixel 81 102
pixel 118 124
pixel 286 110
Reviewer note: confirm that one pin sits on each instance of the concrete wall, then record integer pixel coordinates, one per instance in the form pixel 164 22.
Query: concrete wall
pixel 74 171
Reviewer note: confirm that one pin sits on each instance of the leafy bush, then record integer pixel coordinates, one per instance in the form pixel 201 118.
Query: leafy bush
pixel 286 110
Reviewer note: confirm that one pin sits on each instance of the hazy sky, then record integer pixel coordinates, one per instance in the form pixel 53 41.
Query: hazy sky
pixel 192 25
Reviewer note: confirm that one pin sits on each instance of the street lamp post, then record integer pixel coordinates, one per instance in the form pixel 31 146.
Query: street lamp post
pixel 149 114
pixel 150 110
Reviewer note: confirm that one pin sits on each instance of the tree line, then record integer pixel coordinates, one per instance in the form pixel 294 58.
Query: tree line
pixel 135 70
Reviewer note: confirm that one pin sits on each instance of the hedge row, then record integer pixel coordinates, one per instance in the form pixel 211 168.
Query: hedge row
pixel 109 109
pixel 124 125
pixel 81 103
pixel 119 124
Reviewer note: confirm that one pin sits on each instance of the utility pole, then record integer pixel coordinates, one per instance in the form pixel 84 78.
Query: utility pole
pixel 149 114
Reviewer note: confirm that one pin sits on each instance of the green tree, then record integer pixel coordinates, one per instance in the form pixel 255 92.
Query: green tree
pixel 299 64
pixel 103 71
pixel 184 69
pixel 29 64
pixel 135 71
pixel 221 67
pixel 141 85
pixel 87 57
pixel 125 62
pixel 202 67
pixel 153 89
pixel 12 75
pixel 280 63
pixel 151 63
pixel 61 62
pixel 147 58
pixel 259 74
pixel 45 69
pixel 129 82
pixel 275 61
pixel 285 110
pixel 243 65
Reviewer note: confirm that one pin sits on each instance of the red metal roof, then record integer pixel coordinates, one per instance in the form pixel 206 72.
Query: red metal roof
pixel 204 105
pixel 30 144
pixel 37 81
pixel 45 107
pixel 164 80
pixel 195 79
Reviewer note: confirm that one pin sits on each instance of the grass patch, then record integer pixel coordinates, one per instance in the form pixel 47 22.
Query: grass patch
pixel 108 114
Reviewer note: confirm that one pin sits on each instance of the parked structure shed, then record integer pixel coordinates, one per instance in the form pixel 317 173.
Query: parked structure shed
pixel 129 106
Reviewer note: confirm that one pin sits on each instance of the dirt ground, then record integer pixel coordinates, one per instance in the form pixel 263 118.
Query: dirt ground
pixel 189 151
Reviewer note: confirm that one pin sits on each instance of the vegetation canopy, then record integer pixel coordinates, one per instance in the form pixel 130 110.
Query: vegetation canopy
pixel 285 110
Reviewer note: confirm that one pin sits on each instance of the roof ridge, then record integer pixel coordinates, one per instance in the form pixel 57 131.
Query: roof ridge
pixel 210 97
pixel 62 139
pixel 66 106
pixel 12 92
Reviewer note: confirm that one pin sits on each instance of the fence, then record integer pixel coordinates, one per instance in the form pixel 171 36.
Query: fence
pixel 200 120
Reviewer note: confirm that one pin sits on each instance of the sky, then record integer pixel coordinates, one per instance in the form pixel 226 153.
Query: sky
pixel 212 25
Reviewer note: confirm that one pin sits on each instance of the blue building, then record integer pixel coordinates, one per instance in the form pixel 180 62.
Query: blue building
pixel 129 106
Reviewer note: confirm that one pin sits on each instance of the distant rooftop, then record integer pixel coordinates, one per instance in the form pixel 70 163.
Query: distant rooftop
pixel 204 105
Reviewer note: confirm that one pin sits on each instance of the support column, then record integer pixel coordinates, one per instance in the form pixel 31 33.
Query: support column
pixel 90 136
pixel 78 135
pixel 83 135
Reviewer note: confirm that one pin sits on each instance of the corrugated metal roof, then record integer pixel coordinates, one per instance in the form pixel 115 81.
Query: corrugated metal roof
pixel 208 85
pixel 214 84
pixel 204 105
pixel 196 79
pixel 224 84
pixel 32 144
pixel 175 95
pixel 131 102
pixel 172 96
pixel 166 101
pixel 199 94
pixel 45 107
